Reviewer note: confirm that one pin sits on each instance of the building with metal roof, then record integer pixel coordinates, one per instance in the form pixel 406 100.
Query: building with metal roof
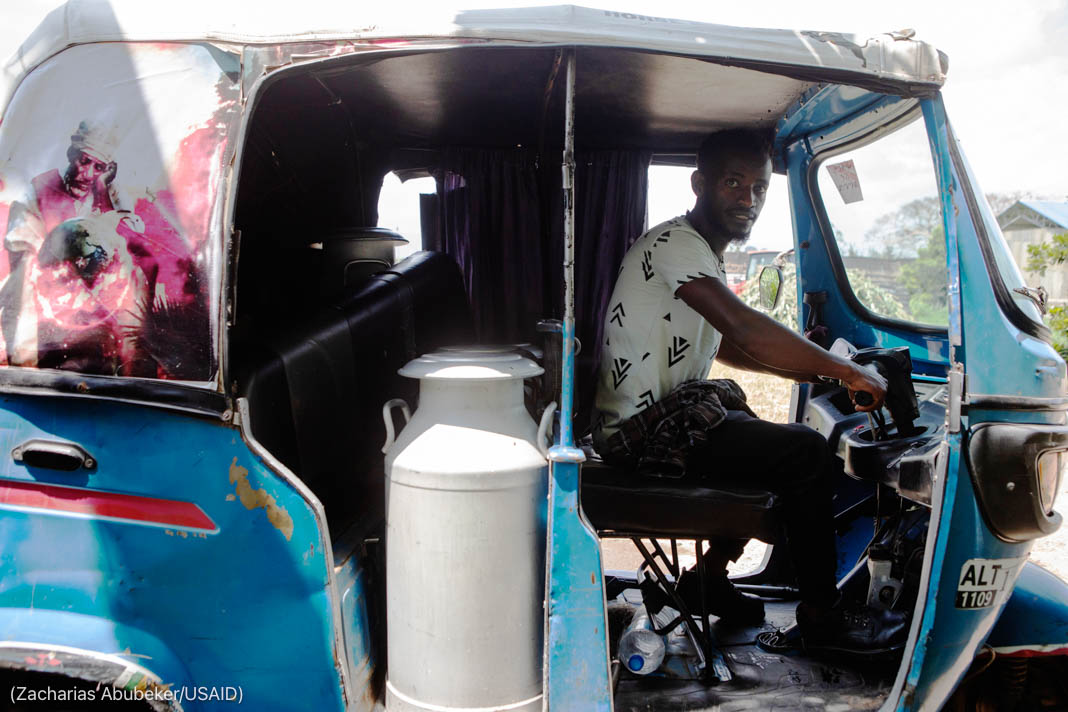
pixel 1030 222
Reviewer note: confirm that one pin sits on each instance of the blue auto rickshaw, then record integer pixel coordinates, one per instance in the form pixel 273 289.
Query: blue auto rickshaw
pixel 202 320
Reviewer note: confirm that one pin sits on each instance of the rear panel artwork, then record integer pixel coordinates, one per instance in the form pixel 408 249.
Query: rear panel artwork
pixel 106 207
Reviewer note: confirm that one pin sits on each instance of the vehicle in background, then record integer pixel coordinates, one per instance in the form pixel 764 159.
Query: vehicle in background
pixel 754 262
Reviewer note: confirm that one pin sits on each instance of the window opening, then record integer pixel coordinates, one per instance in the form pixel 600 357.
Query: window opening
pixel 399 210
pixel 882 203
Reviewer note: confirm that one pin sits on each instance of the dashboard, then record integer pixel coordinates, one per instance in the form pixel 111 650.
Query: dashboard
pixel 907 463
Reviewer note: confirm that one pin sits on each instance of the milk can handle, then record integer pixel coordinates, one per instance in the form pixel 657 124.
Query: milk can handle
pixel 544 427
pixel 387 418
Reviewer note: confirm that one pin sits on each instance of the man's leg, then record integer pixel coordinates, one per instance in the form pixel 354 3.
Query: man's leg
pixel 795 462
pixel 721 551
pixel 722 599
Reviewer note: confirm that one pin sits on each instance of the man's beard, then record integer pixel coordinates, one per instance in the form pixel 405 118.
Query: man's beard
pixel 734 237
pixel 75 188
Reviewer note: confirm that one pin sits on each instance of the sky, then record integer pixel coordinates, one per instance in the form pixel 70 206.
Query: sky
pixel 1006 92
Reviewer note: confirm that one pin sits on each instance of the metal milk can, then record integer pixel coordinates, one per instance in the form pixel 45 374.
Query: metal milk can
pixel 465 537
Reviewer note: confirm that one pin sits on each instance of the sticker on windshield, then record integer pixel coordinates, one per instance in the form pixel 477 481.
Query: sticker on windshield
pixel 845 179
pixel 986 582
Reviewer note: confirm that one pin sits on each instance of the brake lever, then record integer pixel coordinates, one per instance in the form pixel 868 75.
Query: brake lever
pixel 878 425
pixel 875 417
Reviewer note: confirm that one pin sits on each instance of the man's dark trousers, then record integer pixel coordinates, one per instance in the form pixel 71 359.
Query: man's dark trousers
pixel 792 461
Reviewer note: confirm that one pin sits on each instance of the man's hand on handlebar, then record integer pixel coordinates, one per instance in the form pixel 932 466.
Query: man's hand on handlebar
pixel 863 382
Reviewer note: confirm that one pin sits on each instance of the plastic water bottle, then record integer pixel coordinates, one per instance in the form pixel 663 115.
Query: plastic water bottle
pixel 641 649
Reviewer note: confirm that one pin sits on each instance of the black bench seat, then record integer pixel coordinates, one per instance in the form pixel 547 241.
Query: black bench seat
pixel 316 384
pixel 624 502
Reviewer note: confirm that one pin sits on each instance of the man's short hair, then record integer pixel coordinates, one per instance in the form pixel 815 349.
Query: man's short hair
pixel 745 141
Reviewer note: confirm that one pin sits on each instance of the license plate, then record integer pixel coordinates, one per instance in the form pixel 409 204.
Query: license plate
pixel 985 582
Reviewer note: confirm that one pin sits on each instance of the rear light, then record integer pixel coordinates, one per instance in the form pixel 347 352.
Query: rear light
pixel 1051 467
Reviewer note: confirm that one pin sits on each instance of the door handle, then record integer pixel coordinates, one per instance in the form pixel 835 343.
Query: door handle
pixel 53 455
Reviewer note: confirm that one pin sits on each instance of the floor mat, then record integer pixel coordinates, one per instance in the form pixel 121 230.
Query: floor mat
pixel 765 681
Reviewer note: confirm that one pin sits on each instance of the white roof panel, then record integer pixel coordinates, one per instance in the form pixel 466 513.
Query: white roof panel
pixel 893 62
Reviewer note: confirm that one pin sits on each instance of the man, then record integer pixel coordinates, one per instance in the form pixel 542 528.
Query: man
pixel 73 293
pixel 671 313
pixel 84 189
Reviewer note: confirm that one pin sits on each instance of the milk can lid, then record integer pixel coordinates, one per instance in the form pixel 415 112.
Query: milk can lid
pixel 473 363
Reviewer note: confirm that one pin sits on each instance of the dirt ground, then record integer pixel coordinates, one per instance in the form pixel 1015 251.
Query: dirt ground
pixel 770 398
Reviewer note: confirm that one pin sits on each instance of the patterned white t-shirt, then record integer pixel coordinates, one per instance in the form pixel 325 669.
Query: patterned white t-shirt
pixel 653 340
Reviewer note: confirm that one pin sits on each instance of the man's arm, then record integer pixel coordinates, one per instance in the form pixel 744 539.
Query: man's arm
pixel 104 198
pixel 768 342
pixel 736 358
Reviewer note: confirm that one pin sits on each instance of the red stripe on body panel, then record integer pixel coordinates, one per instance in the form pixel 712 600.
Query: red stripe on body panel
pixel 1023 651
pixel 111 505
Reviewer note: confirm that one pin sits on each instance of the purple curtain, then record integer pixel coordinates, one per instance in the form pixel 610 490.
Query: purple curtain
pixel 611 189
pixel 491 219
pixel 501 217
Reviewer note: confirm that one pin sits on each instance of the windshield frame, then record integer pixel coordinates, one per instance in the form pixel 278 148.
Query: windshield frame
pixel 1008 305
pixel 827 231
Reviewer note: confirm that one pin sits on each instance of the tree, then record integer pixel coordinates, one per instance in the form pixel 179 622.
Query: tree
pixel 902 232
pixel 1044 255
pixel 925 280
pixel 915 231
pixel 1057 320
pixel 1041 257
pixel 870 294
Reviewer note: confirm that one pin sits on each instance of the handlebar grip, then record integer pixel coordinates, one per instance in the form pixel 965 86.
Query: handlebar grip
pixel 863 398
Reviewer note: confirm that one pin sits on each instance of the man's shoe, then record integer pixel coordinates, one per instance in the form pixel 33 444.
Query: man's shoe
pixel 854 630
pixel 723 600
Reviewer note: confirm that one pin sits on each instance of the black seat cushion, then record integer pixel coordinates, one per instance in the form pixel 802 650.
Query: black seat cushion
pixel 316 386
pixel 626 502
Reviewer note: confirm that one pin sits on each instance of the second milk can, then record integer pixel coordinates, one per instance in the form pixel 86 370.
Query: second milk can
pixel 465 537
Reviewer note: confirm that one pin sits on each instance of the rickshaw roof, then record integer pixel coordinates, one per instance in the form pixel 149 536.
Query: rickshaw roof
pixel 893 63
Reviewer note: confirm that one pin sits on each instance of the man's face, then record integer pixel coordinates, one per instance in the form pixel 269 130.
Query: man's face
pixel 83 172
pixel 733 193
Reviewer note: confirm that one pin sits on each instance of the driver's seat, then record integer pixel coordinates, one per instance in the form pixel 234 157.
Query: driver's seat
pixel 625 502
pixel 622 503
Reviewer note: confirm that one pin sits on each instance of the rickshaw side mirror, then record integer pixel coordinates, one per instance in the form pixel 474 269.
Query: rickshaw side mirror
pixel 770 285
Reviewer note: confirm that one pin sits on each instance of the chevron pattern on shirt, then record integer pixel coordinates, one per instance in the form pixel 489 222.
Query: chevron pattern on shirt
pixel 647 265
pixel 677 350
pixel 620 366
